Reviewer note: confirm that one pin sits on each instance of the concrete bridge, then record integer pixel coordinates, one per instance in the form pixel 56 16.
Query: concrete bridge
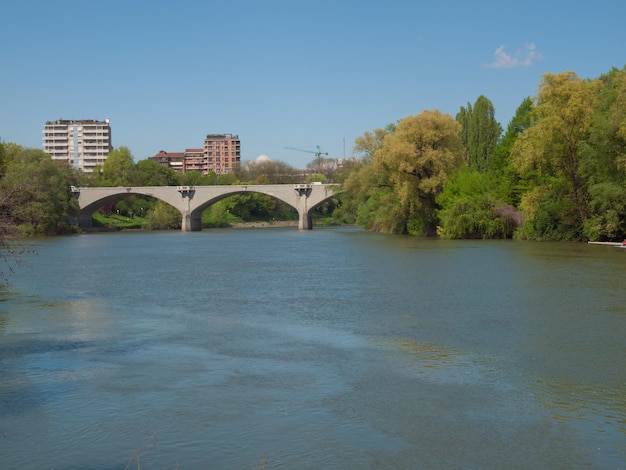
pixel 191 201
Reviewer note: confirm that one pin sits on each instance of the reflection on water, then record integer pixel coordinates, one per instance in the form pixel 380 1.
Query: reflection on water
pixel 331 348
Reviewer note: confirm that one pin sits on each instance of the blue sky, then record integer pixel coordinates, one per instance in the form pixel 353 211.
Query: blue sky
pixel 284 73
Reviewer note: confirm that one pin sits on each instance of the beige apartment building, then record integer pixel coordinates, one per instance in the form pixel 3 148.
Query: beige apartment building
pixel 82 143
pixel 220 154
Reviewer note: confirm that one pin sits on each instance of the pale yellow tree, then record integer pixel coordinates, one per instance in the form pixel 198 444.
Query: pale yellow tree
pixel 369 142
pixel 548 152
pixel 419 156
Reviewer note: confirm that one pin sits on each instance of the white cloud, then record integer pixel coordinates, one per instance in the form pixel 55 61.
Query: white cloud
pixel 522 58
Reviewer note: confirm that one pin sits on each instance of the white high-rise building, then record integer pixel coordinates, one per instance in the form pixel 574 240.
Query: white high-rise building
pixel 82 143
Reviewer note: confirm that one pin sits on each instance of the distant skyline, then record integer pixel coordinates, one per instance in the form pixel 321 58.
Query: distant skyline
pixel 281 73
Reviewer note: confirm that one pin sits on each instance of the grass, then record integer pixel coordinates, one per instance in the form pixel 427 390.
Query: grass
pixel 119 221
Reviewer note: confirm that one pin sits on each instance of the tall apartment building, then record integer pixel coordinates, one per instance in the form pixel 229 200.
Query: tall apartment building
pixel 220 154
pixel 82 143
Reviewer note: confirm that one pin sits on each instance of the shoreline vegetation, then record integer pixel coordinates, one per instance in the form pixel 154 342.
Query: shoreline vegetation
pixel 556 173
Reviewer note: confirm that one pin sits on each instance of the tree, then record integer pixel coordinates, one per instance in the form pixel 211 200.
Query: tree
pixel 603 163
pixel 395 186
pixel 479 132
pixel 325 167
pixel 368 200
pixel 35 193
pixel 470 208
pixel 150 173
pixel 548 155
pixel 118 169
pixel 10 252
pixel 267 172
pixel 164 216
pixel 501 167
pixel 370 142
pixel 364 187
pixel 419 156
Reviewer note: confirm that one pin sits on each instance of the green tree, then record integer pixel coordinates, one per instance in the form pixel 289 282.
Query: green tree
pixel 470 208
pixel 163 217
pixel 191 178
pixel 35 192
pixel 150 173
pixel 509 187
pixel 316 178
pixel 363 185
pixel 368 200
pixel 479 132
pixel 548 155
pixel 118 169
pixel 603 163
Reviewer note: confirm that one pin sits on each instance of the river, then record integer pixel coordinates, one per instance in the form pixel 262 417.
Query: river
pixel 331 348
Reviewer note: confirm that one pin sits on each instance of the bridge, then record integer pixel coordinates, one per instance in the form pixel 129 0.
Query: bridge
pixel 191 201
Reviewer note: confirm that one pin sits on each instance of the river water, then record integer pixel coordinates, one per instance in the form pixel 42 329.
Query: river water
pixel 333 348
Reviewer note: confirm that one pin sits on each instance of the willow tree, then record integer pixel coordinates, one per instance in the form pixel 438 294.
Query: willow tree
pixel 418 157
pixel 548 155
pixel 365 190
pixel 367 144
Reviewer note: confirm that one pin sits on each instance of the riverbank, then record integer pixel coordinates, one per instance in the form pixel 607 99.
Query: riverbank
pixel 262 224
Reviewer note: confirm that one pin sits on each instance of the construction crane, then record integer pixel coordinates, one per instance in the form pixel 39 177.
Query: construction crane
pixel 319 152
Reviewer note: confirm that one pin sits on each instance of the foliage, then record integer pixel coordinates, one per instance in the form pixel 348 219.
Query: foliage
pixel 481 202
pixel 395 188
pixel 117 170
pixel 35 198
pixel 509 185
pixel 195 178
pixel 219 215
pixel 316 178
pixel 370 142
pixel 471 210
pixel 607 204
pixel 479 132
pixel 548 156
pixel 267 172
pixel 35 192
pixel 560 168
pixel 163 217
pixel 119 221
pixel 419 156
pixel 324 168
pixel 603 163
pixel 150 173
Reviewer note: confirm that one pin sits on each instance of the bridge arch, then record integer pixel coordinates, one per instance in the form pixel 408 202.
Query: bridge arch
pixel 196 214
pixel 91 199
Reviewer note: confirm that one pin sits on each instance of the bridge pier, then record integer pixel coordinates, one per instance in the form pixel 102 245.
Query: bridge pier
pixel 185 223
pixel 84 220
pixel 305 222
pixel 190 223
pixel 304 217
